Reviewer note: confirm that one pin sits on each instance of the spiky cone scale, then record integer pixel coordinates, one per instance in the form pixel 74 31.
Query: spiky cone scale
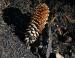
pixel 37 24
pixel 40 16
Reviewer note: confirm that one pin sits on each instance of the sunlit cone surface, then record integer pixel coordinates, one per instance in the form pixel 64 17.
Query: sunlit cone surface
pixel 37 24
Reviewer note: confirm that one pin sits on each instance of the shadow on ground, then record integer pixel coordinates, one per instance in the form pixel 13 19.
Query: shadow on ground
pixel 13 16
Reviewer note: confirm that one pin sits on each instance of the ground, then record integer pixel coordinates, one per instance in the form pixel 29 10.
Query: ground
pixel 10 44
